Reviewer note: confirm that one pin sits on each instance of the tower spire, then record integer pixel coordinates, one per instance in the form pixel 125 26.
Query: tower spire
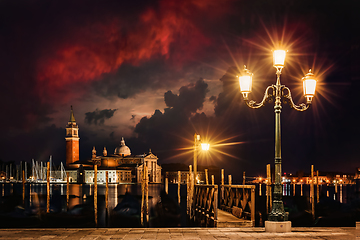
pixel 72 140
pixel 72 117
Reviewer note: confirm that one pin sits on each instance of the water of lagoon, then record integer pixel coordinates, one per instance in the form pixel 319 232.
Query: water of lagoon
pixel 83 193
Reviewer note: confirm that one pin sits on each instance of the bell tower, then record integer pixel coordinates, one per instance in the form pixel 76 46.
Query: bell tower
pixel 72 140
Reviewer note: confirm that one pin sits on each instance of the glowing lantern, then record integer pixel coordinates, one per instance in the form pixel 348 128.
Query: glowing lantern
pixel 309 85
pixel 279 58
pixel 205 146
pixel 245 81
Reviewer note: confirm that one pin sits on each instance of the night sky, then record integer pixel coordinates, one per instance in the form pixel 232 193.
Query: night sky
pixel 156 72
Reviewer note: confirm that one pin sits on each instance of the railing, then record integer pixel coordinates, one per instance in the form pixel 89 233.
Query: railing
pixel 205 204
pixel 239 200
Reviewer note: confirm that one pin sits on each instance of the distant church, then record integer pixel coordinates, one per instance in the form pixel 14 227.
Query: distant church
pixel 122 167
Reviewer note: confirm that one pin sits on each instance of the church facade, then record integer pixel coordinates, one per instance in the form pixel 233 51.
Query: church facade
pixel 122 166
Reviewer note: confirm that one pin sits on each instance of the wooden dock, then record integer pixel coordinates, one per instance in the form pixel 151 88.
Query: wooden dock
pixel 226 220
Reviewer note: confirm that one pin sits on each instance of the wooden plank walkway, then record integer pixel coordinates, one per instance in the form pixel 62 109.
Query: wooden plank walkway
pixel 226 220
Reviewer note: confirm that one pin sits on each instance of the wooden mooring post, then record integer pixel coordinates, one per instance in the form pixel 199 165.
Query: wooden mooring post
pixel 166 185
pixel 23 187
pixel 268 190
pixel 341 191
pixel 107 191
pixel 179 181
pixel 95 195
pixel 143 195
pixel 336 190
pixel 67 191
pixel 317 187
pixel 187 194
pixel 212 180
pixel 312 199
pixel 147 195
pixel 222 183
pixel 206 177
pixel 145 198
pixel 229 179
pixel 191 189
pixel 48 188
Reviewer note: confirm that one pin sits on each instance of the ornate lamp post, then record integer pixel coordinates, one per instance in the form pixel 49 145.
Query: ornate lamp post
pixel 278 93
pixel 204 146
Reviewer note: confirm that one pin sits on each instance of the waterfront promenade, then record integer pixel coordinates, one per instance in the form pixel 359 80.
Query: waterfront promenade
pixel 180 233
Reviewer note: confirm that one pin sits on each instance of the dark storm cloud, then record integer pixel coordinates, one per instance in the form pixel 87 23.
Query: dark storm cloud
pixel 160 129
pixel 212 99
pixel 99 116
pixel 131 80
pixel 190 98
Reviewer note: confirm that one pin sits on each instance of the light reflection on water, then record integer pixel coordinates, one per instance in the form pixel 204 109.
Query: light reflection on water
pixel 80 193
pixel 341 193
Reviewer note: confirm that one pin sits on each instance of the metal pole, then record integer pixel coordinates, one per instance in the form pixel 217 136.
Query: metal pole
pixel 277 213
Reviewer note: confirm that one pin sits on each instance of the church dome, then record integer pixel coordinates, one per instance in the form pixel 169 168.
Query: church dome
pixel 122 150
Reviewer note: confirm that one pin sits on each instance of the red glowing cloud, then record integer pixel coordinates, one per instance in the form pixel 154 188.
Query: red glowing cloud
pixel 168 31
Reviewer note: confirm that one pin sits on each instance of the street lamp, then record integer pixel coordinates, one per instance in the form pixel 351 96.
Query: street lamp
pixel 204 146
pixel 278 93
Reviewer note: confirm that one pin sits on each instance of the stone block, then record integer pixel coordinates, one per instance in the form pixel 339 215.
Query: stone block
pixel 278 227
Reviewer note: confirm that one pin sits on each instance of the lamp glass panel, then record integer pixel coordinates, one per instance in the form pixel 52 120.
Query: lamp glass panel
pixel 309 87
pixel 205 146
pixel 279 57
pixel 245 83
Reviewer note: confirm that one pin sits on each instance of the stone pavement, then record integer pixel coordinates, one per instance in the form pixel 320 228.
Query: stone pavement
pixel 180 233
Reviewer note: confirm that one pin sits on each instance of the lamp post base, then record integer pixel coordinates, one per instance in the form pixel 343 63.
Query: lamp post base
pixel 278 227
